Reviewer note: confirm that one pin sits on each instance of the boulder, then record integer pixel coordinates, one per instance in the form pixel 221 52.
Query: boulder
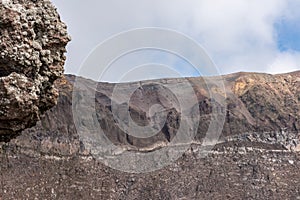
pixel 32 47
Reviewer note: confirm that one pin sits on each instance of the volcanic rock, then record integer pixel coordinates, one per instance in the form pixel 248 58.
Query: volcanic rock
pixel 32 47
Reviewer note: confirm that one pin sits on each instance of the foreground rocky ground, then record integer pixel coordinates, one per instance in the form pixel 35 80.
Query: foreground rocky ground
pixel 239 174
pixel 257 155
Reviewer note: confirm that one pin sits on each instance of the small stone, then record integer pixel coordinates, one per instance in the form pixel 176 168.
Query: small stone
pixel 36 45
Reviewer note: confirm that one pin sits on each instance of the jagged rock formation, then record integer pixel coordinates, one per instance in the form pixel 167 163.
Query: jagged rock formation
pixel 255 158
pixel 32 47
pixel 255 103
pixel 271 101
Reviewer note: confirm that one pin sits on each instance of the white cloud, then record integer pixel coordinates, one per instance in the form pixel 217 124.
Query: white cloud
pixel 285 62
pixel 238 34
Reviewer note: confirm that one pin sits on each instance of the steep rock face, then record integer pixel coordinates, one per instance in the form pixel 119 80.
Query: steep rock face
pixel 273 101
pixel 32 47
pixel 255 103
pixel 243 114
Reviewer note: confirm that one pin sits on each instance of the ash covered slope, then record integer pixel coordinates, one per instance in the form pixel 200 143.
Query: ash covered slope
pixel 255 103
pixel 32 47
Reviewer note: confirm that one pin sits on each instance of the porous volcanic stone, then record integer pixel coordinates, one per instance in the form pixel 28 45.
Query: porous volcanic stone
pixel 32 47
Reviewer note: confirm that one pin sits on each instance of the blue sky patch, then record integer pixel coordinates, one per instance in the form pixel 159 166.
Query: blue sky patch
pixel 288 35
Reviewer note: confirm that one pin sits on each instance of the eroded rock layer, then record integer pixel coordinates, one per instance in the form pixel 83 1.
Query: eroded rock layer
pixel 269 119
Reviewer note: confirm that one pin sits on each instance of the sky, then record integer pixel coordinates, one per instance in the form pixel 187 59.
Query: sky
pixel 238 35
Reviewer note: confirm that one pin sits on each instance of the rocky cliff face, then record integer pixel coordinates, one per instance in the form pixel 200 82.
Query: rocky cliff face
pixel 32 47
pixel 256 156
pixel 256 103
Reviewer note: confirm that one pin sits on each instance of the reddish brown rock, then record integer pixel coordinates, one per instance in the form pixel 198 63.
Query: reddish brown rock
pixel 32 47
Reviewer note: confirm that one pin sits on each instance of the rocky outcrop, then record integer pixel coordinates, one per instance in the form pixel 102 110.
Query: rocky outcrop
pixel 272 101
pixel 32 47
pixel 255 103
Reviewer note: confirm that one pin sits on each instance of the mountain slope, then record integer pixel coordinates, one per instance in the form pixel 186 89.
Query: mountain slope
pixel 255 103
pixel 256 156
